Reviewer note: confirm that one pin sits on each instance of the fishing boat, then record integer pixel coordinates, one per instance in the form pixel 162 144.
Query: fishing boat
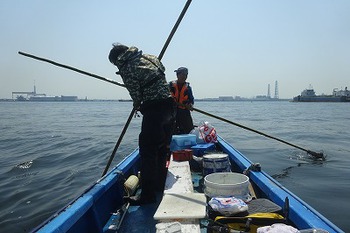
pixel 183 207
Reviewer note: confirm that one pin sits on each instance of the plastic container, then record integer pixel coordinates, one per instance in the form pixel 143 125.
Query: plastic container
pixel 182 141
pixel 182 155
pixel 131 184
pixel 216 163
pixel 201 149
pixel 226 184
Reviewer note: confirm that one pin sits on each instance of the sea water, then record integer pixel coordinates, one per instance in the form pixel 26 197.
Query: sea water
pixel 50 152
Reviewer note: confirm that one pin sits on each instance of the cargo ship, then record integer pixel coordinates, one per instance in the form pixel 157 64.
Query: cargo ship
pixel 34 96
pixel 309 95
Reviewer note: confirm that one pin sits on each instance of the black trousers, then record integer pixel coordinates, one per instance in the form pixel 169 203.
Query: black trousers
pixel 184 122
pixel 154 144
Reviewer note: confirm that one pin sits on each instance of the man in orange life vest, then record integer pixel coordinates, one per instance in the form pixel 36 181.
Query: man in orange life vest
pixel 182 93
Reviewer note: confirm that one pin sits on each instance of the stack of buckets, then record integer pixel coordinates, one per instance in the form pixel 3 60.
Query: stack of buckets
pixel 184 145
pixel 218 178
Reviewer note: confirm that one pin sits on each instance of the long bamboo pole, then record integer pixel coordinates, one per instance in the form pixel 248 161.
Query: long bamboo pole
pixel 119 141
pixel 182 14
pixel 70 68
pixel 315 154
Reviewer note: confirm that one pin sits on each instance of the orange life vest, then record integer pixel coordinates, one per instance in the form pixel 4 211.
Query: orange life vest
pixel 181 96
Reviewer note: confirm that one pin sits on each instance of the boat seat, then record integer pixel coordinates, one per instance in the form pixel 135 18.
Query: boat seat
pixel 179 179
pixel 180 207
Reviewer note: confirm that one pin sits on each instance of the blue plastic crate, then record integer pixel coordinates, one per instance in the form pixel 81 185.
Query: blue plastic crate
pixel 201 149
pixel 182 141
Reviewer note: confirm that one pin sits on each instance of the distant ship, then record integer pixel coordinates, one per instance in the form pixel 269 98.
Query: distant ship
pixel 53 98
pixel 309 95
pixel 33 96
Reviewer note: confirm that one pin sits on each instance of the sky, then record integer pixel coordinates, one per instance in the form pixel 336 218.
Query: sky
pixel 231 47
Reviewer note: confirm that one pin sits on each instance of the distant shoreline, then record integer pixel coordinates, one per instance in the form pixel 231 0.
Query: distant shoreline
pixel 129 100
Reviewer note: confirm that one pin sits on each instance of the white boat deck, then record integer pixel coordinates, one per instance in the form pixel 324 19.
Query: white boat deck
pixel 181 208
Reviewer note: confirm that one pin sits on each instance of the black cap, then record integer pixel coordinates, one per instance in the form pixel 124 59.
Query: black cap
pixel 181 70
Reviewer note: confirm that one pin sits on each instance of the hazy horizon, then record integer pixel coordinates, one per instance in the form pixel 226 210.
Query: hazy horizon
pixel 231 48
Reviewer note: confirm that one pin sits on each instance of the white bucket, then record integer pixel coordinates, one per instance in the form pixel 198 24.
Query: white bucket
pixel 216 163
pixel 226 184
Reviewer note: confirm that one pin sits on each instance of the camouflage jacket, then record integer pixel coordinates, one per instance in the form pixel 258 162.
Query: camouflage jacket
pixel 143 76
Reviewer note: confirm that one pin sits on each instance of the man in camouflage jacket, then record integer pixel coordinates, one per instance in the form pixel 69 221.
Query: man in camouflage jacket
pixel 143 76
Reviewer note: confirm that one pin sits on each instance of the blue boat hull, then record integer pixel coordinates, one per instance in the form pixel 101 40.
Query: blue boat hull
pixel 92 211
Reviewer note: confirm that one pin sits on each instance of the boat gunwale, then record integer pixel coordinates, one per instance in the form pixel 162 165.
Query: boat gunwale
pixel 88 197
pixel 275 191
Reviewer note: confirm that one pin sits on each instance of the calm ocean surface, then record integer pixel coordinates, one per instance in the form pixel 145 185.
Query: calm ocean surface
pixel 51 152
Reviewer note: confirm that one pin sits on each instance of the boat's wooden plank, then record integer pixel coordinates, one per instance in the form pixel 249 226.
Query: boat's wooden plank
pixel 252 191
pixel 179 179
pixel 181 206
